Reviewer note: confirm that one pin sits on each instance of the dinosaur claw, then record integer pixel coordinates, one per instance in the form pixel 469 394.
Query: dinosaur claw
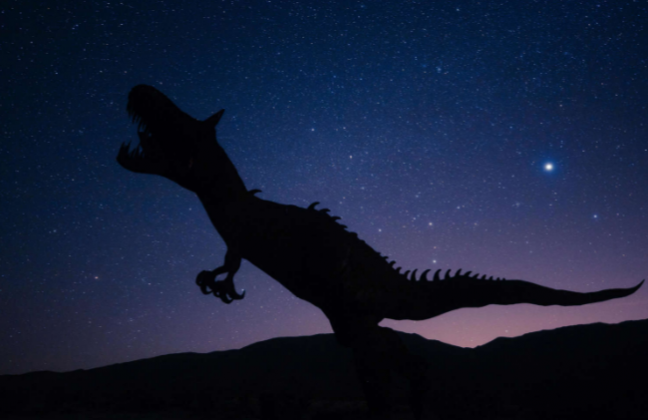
pixel 223 289
pixel 235 295
pixel 206 281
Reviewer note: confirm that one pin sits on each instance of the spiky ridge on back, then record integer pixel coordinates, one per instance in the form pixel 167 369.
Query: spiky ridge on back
pixel 382 261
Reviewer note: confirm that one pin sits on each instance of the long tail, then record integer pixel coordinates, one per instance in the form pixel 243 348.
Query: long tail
pixel 426 299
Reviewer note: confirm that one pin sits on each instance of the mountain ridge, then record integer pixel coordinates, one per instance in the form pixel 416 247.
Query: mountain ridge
pixel 589 369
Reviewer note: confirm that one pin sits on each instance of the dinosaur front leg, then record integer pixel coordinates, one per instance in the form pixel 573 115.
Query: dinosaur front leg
pixel 223 289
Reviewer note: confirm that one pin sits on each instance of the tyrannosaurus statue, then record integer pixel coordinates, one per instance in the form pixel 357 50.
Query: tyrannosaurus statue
pixel 312 255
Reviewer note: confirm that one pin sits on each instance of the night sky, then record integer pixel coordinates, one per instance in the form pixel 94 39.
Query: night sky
pixel 502 137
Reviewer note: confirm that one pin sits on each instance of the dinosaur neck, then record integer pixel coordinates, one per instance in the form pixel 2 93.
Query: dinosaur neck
pixel 219 179
pixel 221 191
pixel 223 207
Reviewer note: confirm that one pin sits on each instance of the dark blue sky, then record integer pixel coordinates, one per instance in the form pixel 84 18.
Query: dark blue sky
pixel 425 125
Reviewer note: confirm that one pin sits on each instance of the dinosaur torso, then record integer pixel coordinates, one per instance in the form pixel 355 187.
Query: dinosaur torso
pixel 305 250
pixel 320 261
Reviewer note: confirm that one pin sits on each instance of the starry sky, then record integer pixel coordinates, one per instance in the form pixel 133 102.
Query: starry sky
pixel 502 137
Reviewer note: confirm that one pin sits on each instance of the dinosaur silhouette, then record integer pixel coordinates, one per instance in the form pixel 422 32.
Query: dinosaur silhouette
pixel 313 256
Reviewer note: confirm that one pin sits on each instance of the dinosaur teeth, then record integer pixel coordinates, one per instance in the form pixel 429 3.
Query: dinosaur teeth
pixel 325 210
pixel 336 218
pixel 406 273
pixel 458 273
pixel 467 274
pixel 413 278
pixel 447 275
pixel 312 206
pixel 391 264
pixel 136 152
pixel 424 275
pixel 398 269
pixel 436 275
pixel 476 276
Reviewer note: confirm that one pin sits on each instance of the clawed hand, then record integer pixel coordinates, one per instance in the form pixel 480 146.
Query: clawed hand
pixel 223 289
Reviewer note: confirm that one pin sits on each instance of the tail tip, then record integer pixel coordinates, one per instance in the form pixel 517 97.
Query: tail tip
pixel 634 289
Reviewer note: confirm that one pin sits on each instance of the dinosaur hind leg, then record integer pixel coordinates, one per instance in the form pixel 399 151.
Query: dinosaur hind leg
pixel 415 369
pixel 374 375
pixel 411 366
pixel 377 352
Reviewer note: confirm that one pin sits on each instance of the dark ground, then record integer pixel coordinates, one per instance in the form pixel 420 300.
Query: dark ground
pixel 594 371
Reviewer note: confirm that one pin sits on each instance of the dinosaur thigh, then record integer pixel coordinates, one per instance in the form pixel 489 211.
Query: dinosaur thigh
pixel 350 328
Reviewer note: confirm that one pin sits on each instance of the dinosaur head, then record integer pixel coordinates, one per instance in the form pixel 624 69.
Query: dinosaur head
pixel 171 142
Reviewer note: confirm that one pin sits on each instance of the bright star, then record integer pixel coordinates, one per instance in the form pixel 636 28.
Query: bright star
pixel 548 167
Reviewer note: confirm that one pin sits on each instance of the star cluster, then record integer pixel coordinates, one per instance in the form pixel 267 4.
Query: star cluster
pixel 502 137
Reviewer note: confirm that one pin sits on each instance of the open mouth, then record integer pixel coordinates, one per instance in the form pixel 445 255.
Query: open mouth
pixel 161 126
pixel 171 143
pixel 148 156
pixel 142 158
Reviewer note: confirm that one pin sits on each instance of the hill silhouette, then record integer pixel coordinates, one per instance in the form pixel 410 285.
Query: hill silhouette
pixel 585 371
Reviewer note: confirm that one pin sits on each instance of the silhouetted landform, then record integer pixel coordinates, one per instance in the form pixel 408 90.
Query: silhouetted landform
pixel 593 371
